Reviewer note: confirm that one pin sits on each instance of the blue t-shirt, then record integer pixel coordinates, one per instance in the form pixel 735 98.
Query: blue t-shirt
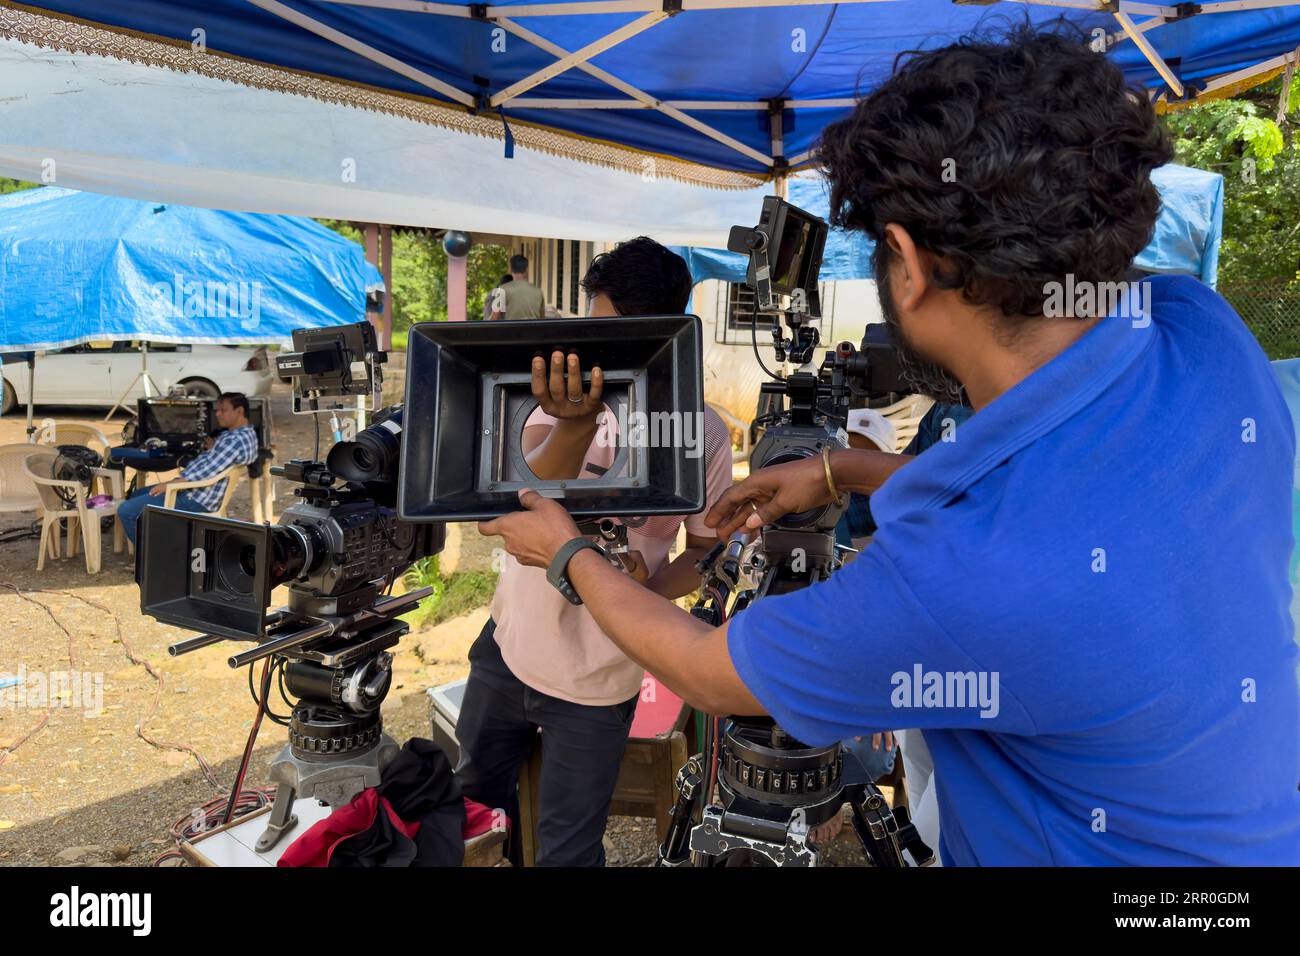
pixel 1083 602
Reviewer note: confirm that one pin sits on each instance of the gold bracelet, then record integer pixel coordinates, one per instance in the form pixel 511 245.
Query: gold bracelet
pixel 830 480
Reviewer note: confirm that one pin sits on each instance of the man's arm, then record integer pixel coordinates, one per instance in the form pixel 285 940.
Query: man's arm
pixel 556 452
pixel 690 657
pixel 679 578
pixel 778 490
pixel 226 451
pixel 686 654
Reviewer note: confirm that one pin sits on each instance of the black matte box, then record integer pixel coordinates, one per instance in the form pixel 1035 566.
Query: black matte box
pixel 217 594
pixel 468 395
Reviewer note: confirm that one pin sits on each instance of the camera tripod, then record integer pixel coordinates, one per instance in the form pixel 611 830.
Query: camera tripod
pixel 773 790
pixel 339 669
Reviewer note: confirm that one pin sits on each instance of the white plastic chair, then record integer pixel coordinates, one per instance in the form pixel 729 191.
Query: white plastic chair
pixel 233 473
pixel 906 415
pixel 17 491
pixel 73 433
pixel 39 467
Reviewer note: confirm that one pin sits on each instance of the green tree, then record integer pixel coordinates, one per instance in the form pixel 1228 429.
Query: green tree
pixel 1260 163
pixel 14 185
pixel 1259 258
pixel 420 274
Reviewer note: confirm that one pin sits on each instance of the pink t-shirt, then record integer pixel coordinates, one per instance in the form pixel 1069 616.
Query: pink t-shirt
pixel 556 647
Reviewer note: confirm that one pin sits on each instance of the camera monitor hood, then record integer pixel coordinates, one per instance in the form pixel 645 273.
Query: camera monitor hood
pixel 468 396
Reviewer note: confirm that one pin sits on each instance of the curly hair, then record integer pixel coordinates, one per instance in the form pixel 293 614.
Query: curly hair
pixel 640 277
pixel 1017 159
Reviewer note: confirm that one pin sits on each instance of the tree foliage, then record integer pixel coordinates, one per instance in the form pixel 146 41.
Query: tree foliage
pixel 420 274
pixel 14 185
pixel 1260 163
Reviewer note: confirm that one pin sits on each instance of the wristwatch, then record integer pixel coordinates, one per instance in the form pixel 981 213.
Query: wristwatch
pixel 556 572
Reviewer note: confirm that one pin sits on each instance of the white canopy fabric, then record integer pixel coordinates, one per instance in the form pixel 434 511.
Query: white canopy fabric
pixel 111 126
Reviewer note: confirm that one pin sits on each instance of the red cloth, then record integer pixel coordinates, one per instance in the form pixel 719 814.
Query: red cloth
pixel 656 716
pixel 480 819
pixel 314 847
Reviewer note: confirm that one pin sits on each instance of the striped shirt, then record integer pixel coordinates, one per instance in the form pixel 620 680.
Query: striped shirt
pixel 237 446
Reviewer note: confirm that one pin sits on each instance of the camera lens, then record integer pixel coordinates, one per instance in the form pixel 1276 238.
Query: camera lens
pixel 802 519
pixel 294 549
pixel 236 563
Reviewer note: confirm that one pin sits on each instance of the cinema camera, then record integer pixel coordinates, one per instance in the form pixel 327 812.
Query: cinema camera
pixel 337 550
pixel 772 788
pixel 379 502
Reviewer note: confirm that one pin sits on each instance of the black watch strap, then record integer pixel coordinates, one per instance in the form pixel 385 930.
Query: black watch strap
pixel 556 573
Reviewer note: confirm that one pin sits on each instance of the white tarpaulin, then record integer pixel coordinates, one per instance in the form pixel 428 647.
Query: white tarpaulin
pixel 115 127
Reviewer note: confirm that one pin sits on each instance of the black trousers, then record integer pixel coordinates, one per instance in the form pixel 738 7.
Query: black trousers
pixel 581 750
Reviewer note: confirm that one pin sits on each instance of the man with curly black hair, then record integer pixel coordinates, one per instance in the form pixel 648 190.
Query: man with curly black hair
pixel 1083 600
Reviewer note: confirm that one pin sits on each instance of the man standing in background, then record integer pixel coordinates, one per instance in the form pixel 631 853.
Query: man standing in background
pixel 519 298
pixel 493 297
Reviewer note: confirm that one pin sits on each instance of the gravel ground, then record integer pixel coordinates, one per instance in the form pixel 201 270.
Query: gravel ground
pixel 100 771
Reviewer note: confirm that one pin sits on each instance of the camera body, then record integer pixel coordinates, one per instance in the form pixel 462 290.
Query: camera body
pixel 337 549
pixel 337 542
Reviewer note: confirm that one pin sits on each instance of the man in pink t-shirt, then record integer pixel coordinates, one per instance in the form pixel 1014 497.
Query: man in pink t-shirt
pixel 542 662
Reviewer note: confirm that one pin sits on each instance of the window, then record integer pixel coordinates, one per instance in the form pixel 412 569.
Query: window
pixel 740 307
pixel 558 297
pixel 575 265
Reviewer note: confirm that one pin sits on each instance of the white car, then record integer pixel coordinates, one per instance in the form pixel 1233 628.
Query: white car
pixel 99 374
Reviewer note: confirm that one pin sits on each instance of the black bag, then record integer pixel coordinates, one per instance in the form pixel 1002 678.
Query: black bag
pixel 75 463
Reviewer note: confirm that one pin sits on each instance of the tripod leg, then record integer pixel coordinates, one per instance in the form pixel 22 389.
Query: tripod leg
pixel 282 819
pixel 874 824
pixel 676 848
pixel 885 833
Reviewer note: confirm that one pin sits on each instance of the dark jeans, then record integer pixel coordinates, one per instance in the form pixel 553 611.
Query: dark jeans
pixel 129 511
pixel 581 750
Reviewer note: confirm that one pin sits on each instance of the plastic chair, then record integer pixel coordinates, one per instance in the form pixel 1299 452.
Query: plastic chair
pixel 906 415
pixel 17 492
pixel 39 467
pixel 72 433
pixel 233 473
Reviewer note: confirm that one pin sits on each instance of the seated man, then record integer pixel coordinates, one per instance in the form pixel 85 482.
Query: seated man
pixel 235 445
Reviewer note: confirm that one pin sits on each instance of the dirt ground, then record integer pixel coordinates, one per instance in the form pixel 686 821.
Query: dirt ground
pixel 99 771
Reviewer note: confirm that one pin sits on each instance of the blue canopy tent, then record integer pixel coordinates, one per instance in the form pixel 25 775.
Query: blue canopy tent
pixel 720 90
pixel 1186 239
pixel 79 267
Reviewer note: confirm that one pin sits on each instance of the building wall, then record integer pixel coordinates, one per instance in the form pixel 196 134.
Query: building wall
pixel 732 375
pixel 557 266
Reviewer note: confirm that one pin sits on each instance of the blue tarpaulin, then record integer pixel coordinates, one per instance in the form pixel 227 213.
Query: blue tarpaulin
pixel 79 267
pixel 723 64
pixel 1186 238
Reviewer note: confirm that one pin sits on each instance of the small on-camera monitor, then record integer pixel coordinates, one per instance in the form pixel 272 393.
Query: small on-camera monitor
pixel 785 253
pixel 173 420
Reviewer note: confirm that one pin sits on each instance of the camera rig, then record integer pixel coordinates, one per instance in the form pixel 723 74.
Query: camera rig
pixel 337 551
pixel 755 792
